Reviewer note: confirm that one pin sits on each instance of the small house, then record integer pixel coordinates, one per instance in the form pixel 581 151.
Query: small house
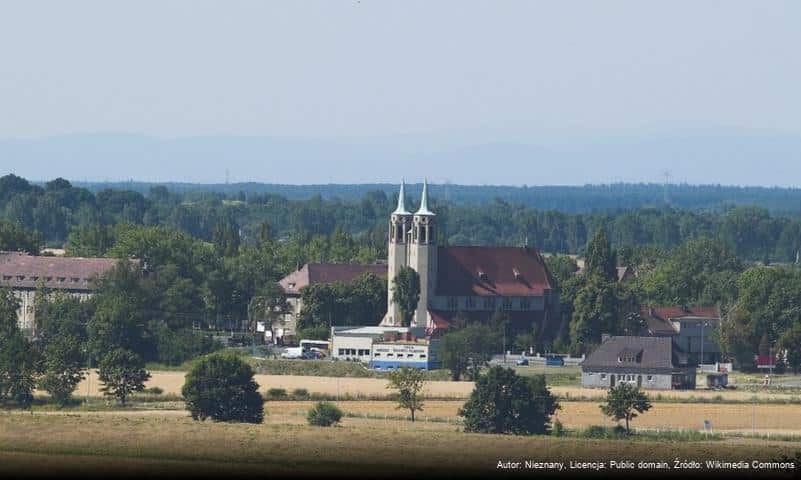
pixel 648 362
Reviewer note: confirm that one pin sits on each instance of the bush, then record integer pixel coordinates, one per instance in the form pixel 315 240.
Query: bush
pixel 558 429
pixel 221 386
pixel 324 414
pixel 153 391
pixel 175 347
pixel 276 393
pixel 300 393
pixel 599 431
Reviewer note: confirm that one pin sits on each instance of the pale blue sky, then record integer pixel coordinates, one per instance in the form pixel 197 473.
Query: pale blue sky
pixel 455 73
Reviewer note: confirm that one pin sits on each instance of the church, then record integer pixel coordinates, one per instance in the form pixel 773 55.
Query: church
pixel 474 280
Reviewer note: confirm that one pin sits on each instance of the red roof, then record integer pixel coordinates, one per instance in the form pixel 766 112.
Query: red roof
pixel 670 312
pixel 490 271
pixel 314 273
pixel 20 270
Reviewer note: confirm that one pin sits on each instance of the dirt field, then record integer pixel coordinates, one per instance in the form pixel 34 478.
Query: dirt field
pixel 171 382
pixel 361 447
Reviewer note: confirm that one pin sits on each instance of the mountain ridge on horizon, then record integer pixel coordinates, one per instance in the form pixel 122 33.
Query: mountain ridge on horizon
pixel 706 157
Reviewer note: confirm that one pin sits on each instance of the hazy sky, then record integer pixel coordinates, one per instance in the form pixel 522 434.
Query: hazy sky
pixel 494 70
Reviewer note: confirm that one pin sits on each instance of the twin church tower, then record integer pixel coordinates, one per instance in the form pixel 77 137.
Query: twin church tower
pixel 412 243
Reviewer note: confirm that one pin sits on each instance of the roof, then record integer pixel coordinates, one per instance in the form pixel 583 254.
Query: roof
pixel 423 210
pixel 445 318
pixel 401 209
pixel 314 273
pixel 491 271
pixel 20 270
pixel 676 312
pixel 656 353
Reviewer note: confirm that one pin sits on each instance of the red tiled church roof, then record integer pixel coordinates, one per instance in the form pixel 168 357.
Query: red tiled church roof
pixel 491 271
pixel 313 273
pixel 20 270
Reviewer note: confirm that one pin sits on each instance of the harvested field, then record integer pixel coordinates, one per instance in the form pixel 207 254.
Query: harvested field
pixel 361 447
pixel 172 381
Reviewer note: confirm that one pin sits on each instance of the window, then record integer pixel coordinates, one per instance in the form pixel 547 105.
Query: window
pixel 376 354
pixel 390 354
pixel 453 303
pixel 20 277
pixel 470 302
pixel 507 303
pixel 342 351
pixel 650 378
pixel 422 355
pixel 525 304
pixel 603 376
pixel 409 355
pixel 489 303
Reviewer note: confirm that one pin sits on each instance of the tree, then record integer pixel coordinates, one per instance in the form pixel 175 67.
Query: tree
pixel 122 373
pixel 221 387
pixel 406 293
pixel 467 349
pixel 601 260
pixel 15 237
pixel 790 342
pixel 504 402
pixel 409 384
pixel 63 368
pixel 17 356
pixel 624 402
pixel 596 310
pixel 324 414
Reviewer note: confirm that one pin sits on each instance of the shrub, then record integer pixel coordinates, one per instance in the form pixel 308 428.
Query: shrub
pixel 221 386
pixel 153 390
pixel 300 393
pixel 324 414
pixel 558 429
pixel 276 393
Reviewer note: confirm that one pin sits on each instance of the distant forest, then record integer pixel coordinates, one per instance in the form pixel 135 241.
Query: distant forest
pixel 567 199
pixel 758 224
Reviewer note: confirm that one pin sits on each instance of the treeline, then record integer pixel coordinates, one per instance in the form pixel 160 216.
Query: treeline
pixel 62 213
pixel 570 199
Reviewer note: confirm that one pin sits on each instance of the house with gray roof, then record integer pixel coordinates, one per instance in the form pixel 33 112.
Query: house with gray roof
pixel 648 362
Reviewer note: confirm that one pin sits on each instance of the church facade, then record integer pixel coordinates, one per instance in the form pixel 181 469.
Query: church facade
pixel 474 280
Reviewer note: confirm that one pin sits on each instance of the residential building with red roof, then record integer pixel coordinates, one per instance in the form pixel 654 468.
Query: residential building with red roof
pixel 691 328
pixel 24 274
pixel 313 274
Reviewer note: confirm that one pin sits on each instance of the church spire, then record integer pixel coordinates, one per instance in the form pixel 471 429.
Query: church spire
pixel 423 210
pixel 401 210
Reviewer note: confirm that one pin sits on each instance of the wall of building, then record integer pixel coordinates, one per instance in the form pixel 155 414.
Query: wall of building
pixel 352 347
pixel 26 313
pixel 394 355
pixel 657 381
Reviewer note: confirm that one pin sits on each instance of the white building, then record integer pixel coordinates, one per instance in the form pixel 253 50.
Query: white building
pixel 356 343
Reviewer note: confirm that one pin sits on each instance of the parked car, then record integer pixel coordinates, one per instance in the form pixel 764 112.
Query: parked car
pixel 291 353
pixel 555 361
pixel 522 361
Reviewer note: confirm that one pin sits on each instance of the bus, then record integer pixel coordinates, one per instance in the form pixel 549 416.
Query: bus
pixel 321 347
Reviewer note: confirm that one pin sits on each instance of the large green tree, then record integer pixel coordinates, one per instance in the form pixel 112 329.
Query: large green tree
pixel 18 359
pixel 504 402
pixel 406 293
pixel 221 387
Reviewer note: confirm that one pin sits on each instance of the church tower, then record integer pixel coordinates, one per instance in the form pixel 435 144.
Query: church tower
pixel 423 255
pixel 400 225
